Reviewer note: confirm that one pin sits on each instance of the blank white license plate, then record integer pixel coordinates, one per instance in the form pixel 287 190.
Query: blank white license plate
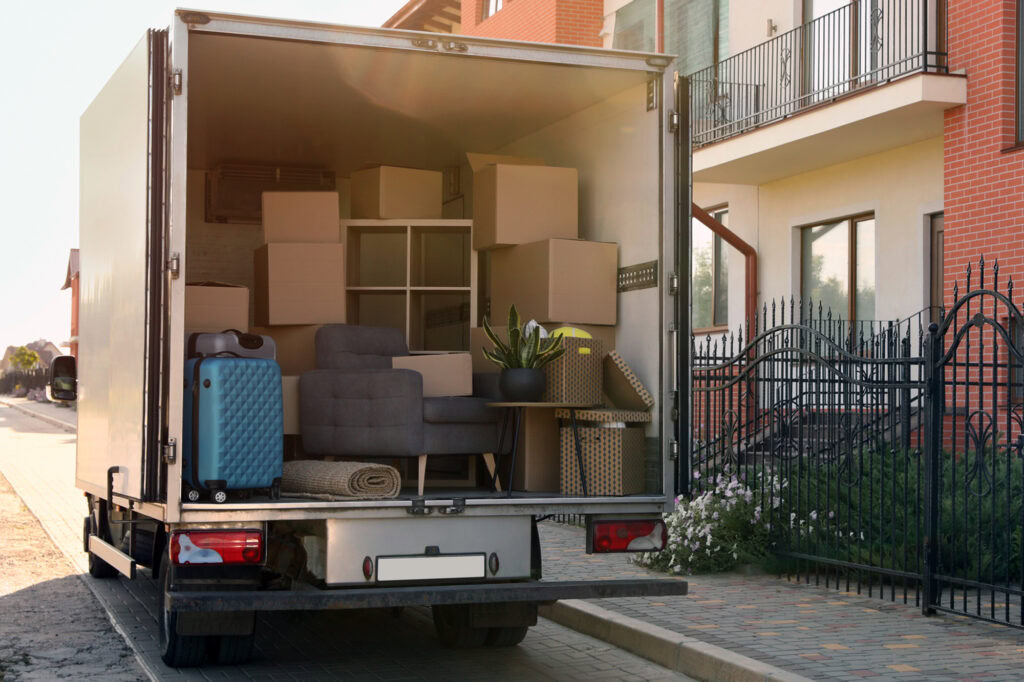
pixel 410 568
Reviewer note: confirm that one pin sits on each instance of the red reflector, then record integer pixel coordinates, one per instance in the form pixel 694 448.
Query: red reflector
pixel 629 536
pixel 217 547
pixel 367 568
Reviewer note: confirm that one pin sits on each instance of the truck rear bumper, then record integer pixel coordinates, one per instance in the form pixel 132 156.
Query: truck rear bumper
pixel 421 595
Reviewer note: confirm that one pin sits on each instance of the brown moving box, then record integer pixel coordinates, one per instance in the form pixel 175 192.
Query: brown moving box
pixel 392 192
pixel 576 377
pixel 296 346
pixel 299 284
pixel 444 374
pixel 290 404
pixel 556 279
pixel 300 217
pixel 478 341
pixel 612 444
pixel 516 204
pixel 623 387
pixel 537 455
pixel 216 306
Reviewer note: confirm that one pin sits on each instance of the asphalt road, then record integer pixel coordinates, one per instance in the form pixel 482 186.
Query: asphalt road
pixel 38 460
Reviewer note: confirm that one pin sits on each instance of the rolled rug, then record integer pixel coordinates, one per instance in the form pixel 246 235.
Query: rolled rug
pixel 340 480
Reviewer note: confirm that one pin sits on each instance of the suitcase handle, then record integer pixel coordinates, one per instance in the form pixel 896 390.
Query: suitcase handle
pixel 247 341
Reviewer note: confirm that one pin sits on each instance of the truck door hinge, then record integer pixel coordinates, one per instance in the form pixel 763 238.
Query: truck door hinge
pixel 673 453
pixel 457 507
pixel 673 121
pixel 652 94
pixel 673 284
pixel 170 450
pixel 174 265
pixel 174 81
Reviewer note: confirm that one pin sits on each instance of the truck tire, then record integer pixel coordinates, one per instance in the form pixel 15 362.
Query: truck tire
pixel 506 636
pixel 98 568
pixel 451 621
pixel 231 649
pixel 177 651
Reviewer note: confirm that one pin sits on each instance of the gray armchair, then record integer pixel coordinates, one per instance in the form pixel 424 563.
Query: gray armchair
pixel 355 404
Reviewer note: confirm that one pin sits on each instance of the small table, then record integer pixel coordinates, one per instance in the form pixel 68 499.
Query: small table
pixel 515 411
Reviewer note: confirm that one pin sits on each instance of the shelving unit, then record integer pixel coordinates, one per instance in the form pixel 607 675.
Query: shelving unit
pixel 419 276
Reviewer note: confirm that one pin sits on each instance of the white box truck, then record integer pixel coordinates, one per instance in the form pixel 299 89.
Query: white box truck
pixel 215 89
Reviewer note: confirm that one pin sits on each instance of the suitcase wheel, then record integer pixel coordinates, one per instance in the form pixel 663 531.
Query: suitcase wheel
pixel 193 495
pixel 275 490
pixel 220 496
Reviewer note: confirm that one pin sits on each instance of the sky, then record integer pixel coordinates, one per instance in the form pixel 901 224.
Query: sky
pixel 57 56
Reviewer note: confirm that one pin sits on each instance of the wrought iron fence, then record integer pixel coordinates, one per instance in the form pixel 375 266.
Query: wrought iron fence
pixel 33 378
pixel 862 44
pixel 889 462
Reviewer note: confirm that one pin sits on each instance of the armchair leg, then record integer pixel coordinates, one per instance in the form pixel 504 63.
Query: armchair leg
pixel 422 474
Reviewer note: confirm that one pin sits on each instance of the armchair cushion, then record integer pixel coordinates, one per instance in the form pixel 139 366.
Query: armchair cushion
pixel 370 412
pixel 459 411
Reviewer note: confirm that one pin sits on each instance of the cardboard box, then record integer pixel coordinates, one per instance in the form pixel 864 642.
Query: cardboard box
pixel 556 279
pixel 392 192
pixel 613 453
pixel 215 306
pixel 296 346
pixel 444 374
pixel 299 284
pixel 623 387
pixel 300 217
pixel 290 403
pixel 517 204
pixel 537 457
pixel 577 377
pixel 478 341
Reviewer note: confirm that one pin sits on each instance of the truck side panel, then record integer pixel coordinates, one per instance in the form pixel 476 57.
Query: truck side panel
pixel 114 134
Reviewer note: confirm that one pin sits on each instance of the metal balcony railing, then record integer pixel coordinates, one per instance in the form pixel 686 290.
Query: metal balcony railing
pixel 860 45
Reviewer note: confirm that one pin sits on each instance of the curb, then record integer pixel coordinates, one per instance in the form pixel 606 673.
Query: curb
pixel 52 421
pixel 669 649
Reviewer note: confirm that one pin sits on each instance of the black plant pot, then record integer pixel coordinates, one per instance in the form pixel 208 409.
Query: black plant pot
pixel 521 385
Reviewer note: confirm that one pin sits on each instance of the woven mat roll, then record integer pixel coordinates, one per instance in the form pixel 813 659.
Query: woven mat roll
pixel 341 480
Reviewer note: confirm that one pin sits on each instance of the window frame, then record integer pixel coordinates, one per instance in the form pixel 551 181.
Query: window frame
pixel 851 263
pixel 717 247
pixel 485 8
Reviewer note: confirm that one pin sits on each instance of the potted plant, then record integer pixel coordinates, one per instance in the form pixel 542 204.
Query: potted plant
pixel 522 358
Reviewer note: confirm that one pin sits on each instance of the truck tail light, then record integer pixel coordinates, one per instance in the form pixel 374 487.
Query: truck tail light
pixel 629 536
pixel 217 547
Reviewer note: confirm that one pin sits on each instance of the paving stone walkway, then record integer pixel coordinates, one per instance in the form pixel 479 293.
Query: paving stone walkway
pixel 808 629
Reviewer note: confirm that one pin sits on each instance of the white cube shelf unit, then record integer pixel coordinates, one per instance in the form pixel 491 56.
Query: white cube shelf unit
pixel 417 275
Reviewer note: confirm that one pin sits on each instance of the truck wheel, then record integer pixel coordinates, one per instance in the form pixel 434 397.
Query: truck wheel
pixel 451 621
pixel 506 636
pixel 231 649
pixel 98 568
pixel 177 651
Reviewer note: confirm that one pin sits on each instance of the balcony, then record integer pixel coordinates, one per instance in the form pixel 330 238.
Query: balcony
pixel 869 76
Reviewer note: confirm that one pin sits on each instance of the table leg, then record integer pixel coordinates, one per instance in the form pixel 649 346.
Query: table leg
pixel 517 418
pixel 499 454
pixel 579 450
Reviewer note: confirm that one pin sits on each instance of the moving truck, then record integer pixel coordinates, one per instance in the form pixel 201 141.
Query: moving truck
pixel 216 89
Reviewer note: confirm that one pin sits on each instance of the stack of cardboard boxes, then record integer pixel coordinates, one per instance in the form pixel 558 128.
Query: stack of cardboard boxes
pixel 299 283
pixel 527 216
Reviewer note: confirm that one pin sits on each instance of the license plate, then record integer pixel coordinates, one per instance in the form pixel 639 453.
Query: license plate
pixel 443 567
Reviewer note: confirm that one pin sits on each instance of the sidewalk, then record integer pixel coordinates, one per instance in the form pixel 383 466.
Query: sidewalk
pixel 63 418
pixel 805 629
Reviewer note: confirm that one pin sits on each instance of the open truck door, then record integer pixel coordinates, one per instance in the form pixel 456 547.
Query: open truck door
pixel 122 239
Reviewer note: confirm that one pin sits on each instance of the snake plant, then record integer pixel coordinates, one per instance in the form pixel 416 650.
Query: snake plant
pixel 522 350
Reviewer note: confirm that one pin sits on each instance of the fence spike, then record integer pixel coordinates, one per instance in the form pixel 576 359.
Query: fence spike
pixel 967 290
pixel 995 275
pixel 1009 289
pixel 773 312
pixel 956 288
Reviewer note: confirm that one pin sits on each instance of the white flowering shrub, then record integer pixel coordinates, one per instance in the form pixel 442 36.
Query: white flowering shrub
pixel 719 529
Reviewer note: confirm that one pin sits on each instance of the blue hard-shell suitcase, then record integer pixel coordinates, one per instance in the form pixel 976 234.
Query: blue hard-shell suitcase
pixel 234 428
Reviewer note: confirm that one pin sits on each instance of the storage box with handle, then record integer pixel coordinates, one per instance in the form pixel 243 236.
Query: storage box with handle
pixel 612 445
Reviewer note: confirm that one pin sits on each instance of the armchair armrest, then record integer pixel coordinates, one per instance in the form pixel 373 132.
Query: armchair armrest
pixel 367 412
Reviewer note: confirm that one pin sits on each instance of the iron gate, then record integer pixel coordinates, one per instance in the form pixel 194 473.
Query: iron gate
pixel 888 457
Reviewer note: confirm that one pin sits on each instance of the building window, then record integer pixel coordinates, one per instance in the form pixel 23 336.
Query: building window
pixel 938 281
pixel 636 26
pixel 698 32
pixel 1016 330
pixel 710 275
pixel 491 7
pixel 834 255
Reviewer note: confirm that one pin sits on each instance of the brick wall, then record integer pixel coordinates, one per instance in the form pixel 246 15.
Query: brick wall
pixel 575 22
pixel 984 183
